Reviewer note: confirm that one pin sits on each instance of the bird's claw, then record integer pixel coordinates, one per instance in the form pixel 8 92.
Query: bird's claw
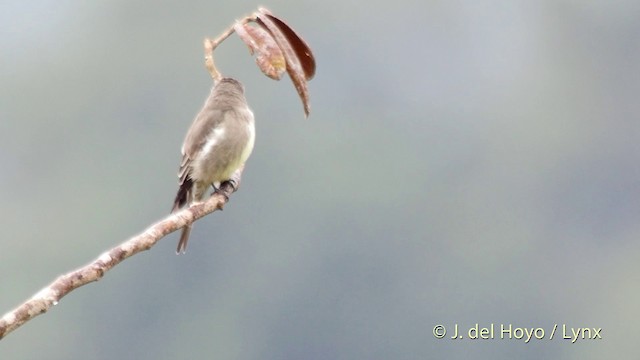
pixel 220 192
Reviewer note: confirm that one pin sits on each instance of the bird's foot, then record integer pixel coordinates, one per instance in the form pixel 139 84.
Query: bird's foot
pixel 221 192
pixel 234 184
pixel 235 179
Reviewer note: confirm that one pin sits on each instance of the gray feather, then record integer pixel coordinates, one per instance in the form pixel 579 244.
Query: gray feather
pixel 218 142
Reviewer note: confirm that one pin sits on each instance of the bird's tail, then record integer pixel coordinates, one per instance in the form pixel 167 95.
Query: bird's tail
pixel 182 198
pixel 184 238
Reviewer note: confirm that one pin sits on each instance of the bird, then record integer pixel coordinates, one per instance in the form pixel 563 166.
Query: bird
pixel 219 142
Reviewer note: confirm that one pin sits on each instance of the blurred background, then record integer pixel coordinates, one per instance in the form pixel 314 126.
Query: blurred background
pixel 464 163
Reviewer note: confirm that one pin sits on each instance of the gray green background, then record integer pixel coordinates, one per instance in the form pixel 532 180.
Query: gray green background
pixel 465 162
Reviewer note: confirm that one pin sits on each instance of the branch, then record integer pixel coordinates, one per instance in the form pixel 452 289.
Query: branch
pixel 94 271
pixel 210 45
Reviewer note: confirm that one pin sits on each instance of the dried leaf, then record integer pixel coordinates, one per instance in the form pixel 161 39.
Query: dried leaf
pixel 299 46
pixel 269 57
pixel 300 61
pixel 240 29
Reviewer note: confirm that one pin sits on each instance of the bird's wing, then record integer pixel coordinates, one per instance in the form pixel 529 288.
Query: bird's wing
pixel 207 120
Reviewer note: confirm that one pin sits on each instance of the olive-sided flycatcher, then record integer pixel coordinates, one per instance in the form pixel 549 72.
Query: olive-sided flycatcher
pixel 218 142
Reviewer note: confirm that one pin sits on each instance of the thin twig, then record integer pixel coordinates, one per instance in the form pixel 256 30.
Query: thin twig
pixel 211 45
